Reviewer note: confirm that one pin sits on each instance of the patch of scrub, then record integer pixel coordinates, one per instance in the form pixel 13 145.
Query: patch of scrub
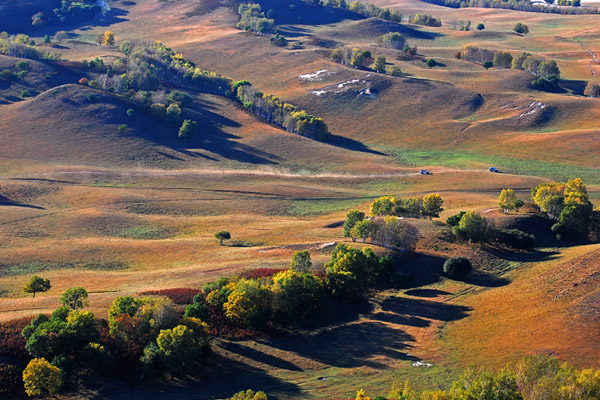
pixel 32 267
pixel 145 232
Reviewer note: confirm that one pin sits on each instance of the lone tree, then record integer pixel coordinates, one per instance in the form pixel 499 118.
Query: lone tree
pixel 75 298
pixel 109 38
pixel 507 200
pixel 301 262
pixel 457 267
pixel 480 26
pixel 521 28
pixel 222 235
pixel 37 284
pixel 488 64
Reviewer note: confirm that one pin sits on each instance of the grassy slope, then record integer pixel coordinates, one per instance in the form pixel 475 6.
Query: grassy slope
pixel 91 196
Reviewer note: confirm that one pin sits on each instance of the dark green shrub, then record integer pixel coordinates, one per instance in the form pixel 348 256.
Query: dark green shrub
pixel 455 219
pixel 457 267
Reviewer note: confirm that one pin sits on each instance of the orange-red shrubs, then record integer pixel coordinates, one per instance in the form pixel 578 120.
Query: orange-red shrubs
pixel 261 273
pixel 83 81
pixel 177 295
pixel 11 342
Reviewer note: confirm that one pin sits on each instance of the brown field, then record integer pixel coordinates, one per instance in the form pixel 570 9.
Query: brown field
pixel 123 213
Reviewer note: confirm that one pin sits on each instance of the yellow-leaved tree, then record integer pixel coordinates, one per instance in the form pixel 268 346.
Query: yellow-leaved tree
pixel 41 378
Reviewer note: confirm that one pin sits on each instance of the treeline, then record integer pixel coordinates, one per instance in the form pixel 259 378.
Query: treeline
pixel 70 11
pixel 537 377
pixel 425 19
pixel 22 46
pixel 149 336
pixel 363 59
pixel 146 66
pixel 568 204
pixel 253 19
pixel 523 5
pixel 367 11
pixel 385 225
pixel 142 337
pixel 546 71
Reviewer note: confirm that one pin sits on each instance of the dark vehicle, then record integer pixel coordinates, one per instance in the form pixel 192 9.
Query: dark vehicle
pixel 425 172
pixel 493 169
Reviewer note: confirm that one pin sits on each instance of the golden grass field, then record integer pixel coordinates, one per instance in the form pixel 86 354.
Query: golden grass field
pixel 120 214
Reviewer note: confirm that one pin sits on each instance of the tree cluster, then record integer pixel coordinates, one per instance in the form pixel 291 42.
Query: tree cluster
pixel 568 204
pixel 146 66
pixel 387 231
pixel 22 46
pixel 70 11
pixel 573 6
pixel 429 206
pixel 367 11
pixel 253 19
pixel 425 19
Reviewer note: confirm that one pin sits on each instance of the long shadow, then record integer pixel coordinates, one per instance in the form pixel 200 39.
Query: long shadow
pixel 218 377
pixel 350 346
pixel 4 201
pixel 300 12
pixel 486 279
pixel 430 293
pixel 425 309
pixel 576 87
pixel 259 356
pixel 351 144
pixel 409 320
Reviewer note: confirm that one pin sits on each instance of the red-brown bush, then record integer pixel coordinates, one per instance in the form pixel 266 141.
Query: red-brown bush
pixel 177 295
pixel 261 273
pixel 12 344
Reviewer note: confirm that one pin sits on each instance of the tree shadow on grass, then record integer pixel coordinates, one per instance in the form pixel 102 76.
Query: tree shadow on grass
pixel 426 292
pixel 217 377
pixel 4 201
pixel 259 356
pixel 352 345
pixel 486 279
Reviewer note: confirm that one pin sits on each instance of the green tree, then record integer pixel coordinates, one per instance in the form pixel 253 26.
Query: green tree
pixel 173 114
pixel 507 200
pixel 187 130
pixel 41 378
pixel 296 295
pixel 351 273
pixel 47 39
pixel 379 64
pixel 574 221
pixel 75 298
pixel 487 65
pixel 485 385
pixel 521 28
pixel 383 206
pixel 249 394
pixel 502 59
pixel 362 230
pixel 360 58
pixel 37 284
pixel 222 235
pixel 432 205
pixel 457 267
pixel 352 218
pixel 480 26
pixel 301 262
pixel 430 63
pixel 178 346
pixel 473 226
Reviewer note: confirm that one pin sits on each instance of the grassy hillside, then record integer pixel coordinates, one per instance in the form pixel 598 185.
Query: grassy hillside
pixel 92 196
